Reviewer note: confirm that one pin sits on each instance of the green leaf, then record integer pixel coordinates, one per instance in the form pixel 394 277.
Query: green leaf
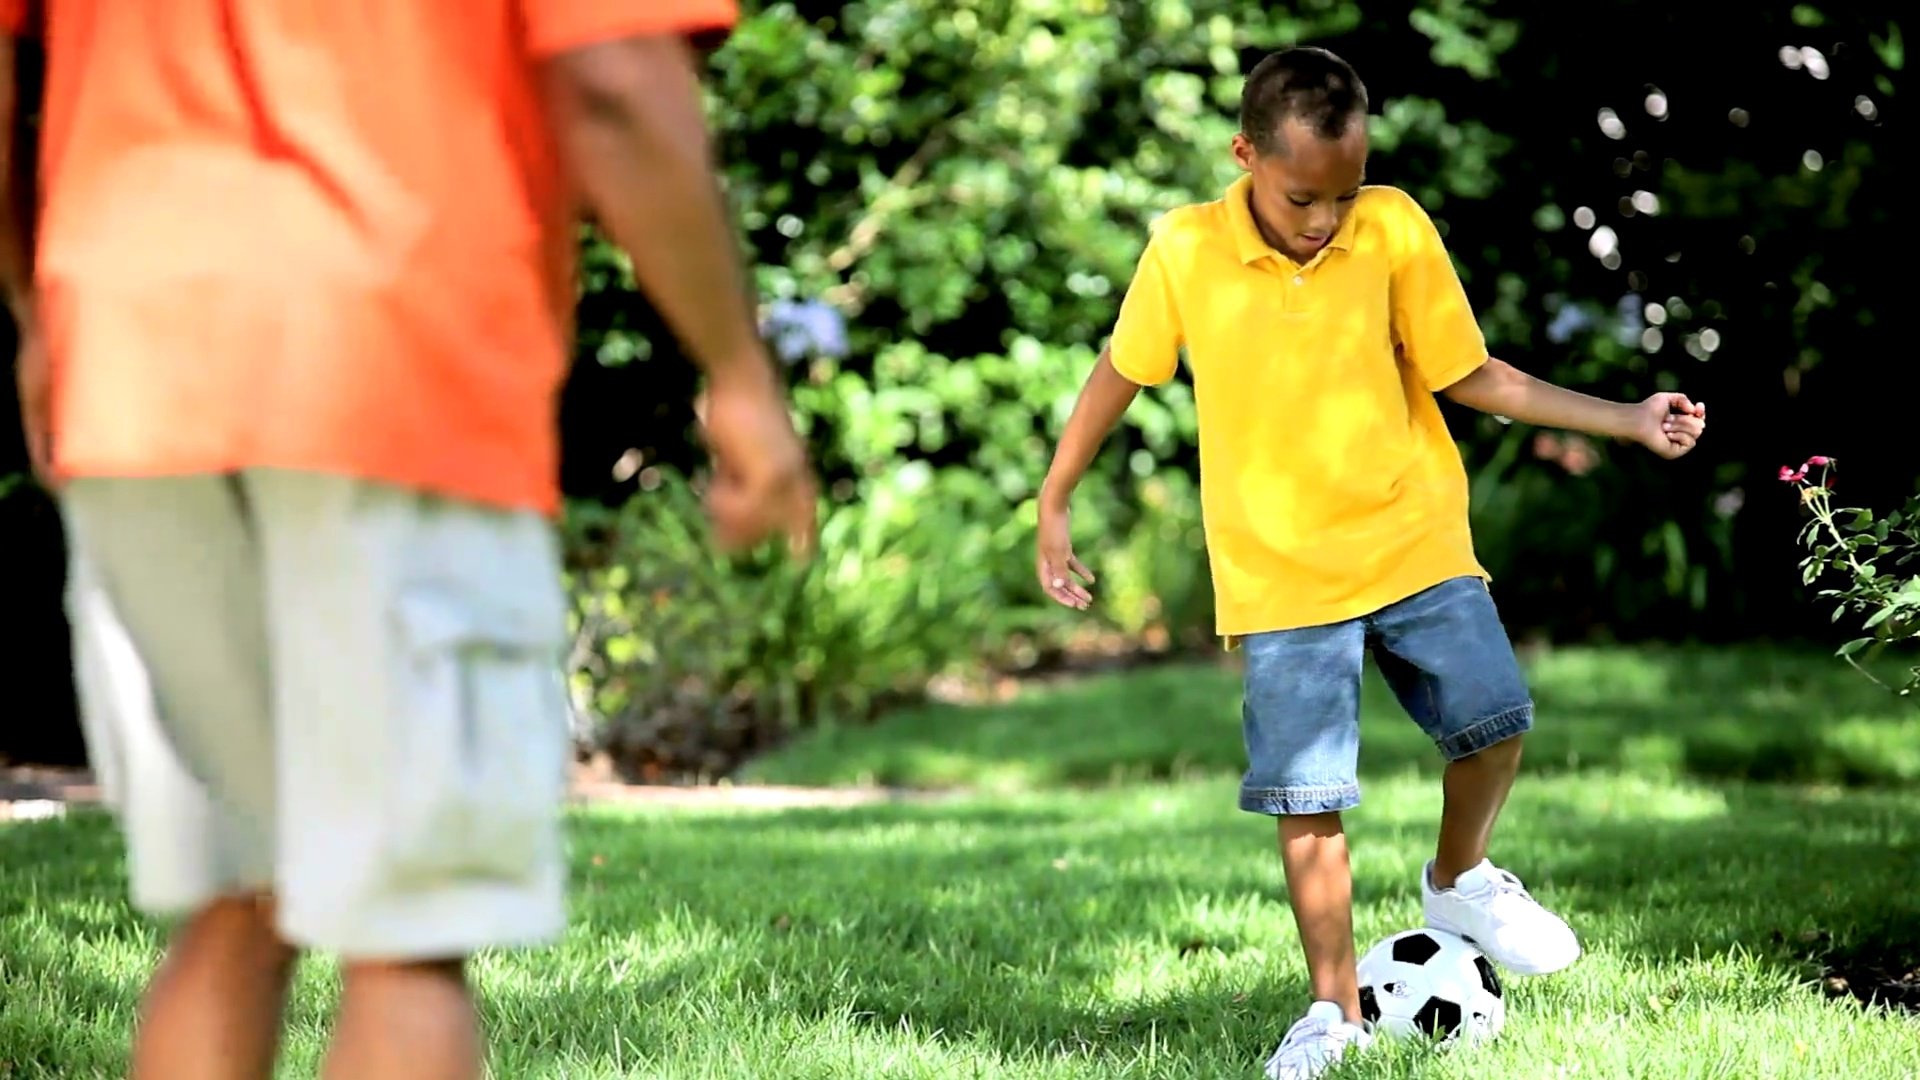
pixel 1891 48
pixel 1880 616
pixel 1861 519
pixel 1853 646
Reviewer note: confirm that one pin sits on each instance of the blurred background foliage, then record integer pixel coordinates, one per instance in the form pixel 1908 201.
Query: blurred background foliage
pixel 943 203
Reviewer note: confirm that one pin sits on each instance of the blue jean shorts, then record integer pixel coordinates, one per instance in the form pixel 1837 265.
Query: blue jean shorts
pixel 1444 652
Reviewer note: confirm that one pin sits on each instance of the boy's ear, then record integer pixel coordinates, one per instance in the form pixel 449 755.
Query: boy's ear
pixel 1243 151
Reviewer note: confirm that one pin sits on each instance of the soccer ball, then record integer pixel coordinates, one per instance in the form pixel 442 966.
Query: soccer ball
pixel 1432 984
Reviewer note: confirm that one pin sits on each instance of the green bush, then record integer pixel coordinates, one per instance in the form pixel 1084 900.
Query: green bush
pixel 686 662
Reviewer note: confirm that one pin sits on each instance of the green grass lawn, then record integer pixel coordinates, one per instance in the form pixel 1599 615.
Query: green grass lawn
pixel 1055 924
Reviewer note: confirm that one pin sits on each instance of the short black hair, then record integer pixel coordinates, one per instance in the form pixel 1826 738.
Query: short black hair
pixel 1308 84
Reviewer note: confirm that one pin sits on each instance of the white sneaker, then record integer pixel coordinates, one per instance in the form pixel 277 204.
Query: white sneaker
pixel 1491 908
pixel 1315 1042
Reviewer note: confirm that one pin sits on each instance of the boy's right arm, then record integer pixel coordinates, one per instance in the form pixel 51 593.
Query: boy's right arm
pixel 627 115
pixel 1144 351
pixel 1103 400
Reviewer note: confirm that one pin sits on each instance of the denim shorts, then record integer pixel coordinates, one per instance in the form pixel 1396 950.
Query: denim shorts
pixel 1443 651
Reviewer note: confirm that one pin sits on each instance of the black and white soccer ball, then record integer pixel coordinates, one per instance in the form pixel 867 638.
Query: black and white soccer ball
pixel 1431 984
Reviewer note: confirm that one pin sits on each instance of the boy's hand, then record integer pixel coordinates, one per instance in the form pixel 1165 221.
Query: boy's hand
pixel 1670 424
pixel 1056 565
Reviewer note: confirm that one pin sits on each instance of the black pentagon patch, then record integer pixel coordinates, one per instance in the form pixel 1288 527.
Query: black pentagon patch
pixel 1415 949
pixel 1437 1018
pixel 1369 1005
pixel 1488 980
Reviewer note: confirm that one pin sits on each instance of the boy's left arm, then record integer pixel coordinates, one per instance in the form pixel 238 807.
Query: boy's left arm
pixel 1668 424
pixel 1438 336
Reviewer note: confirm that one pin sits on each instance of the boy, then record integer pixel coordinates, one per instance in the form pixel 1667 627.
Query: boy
pixel 1320 316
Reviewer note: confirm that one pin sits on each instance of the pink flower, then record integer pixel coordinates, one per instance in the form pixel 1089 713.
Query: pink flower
pixel 1790 475
pixel 1818 460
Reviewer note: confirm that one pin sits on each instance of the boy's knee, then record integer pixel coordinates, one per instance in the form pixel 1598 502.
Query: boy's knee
pixel 1503 754
pixel 1301 826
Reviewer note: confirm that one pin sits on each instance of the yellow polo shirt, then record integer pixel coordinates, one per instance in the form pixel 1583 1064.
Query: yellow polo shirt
pixel 1330 485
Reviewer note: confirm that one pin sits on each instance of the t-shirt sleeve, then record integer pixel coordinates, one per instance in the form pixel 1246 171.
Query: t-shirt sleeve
pixel 554 26
pixel 14 17
pixel 1147 337
pixel 1433 322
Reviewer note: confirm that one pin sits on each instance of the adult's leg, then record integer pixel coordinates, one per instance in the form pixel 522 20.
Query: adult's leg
pixel 418 646
pixel 214 1007
pixel 165 606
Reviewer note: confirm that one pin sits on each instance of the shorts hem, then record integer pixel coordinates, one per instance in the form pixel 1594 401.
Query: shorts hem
pixel 1294 801
pixel 1486 732
pixel 175 902
pixel 443 925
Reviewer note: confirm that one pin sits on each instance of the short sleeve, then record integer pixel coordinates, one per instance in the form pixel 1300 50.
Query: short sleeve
pixel 1146 340
pixel 554 26
pixel 15 17
pixel 1433 322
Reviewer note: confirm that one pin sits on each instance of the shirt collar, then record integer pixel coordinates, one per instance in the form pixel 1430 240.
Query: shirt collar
pixel 1247 241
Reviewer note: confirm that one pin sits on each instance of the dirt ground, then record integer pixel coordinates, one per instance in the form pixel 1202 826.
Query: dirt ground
pixel 33 792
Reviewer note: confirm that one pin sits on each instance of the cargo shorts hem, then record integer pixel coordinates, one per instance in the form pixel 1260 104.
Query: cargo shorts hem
pixel 449 924
pixel 1290 801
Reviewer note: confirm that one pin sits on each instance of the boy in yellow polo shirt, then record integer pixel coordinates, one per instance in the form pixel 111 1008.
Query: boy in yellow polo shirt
pixel 1320 316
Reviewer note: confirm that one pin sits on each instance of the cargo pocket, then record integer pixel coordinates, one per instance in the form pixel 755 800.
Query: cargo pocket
pixel 480 739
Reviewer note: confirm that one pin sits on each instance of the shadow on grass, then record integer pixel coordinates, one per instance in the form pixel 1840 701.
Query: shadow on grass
pixel 1057 936
pixel 1085 925
pixel 1002 927
pixel 1724 714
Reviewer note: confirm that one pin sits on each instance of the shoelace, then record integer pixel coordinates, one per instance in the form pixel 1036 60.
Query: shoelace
pixel 1308 1036
pixel 1309 1028
pixel 1505 882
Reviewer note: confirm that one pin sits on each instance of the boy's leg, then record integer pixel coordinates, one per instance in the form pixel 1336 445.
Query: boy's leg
pixel 1301 725
pixel 1475 790
pixel 1447 657
pixel 417 645
pixel 165 607
pixel 1313 851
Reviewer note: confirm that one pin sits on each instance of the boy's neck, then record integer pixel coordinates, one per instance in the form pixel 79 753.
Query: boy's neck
pixel 1271 235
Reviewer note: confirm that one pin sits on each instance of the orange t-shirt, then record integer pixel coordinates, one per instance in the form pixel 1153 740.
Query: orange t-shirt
pixel 328 236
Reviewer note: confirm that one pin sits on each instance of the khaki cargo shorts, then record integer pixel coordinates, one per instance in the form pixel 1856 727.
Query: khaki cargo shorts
pixel 345 693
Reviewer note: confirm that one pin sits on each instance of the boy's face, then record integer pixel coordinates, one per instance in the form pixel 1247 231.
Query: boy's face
pixel 1302 193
